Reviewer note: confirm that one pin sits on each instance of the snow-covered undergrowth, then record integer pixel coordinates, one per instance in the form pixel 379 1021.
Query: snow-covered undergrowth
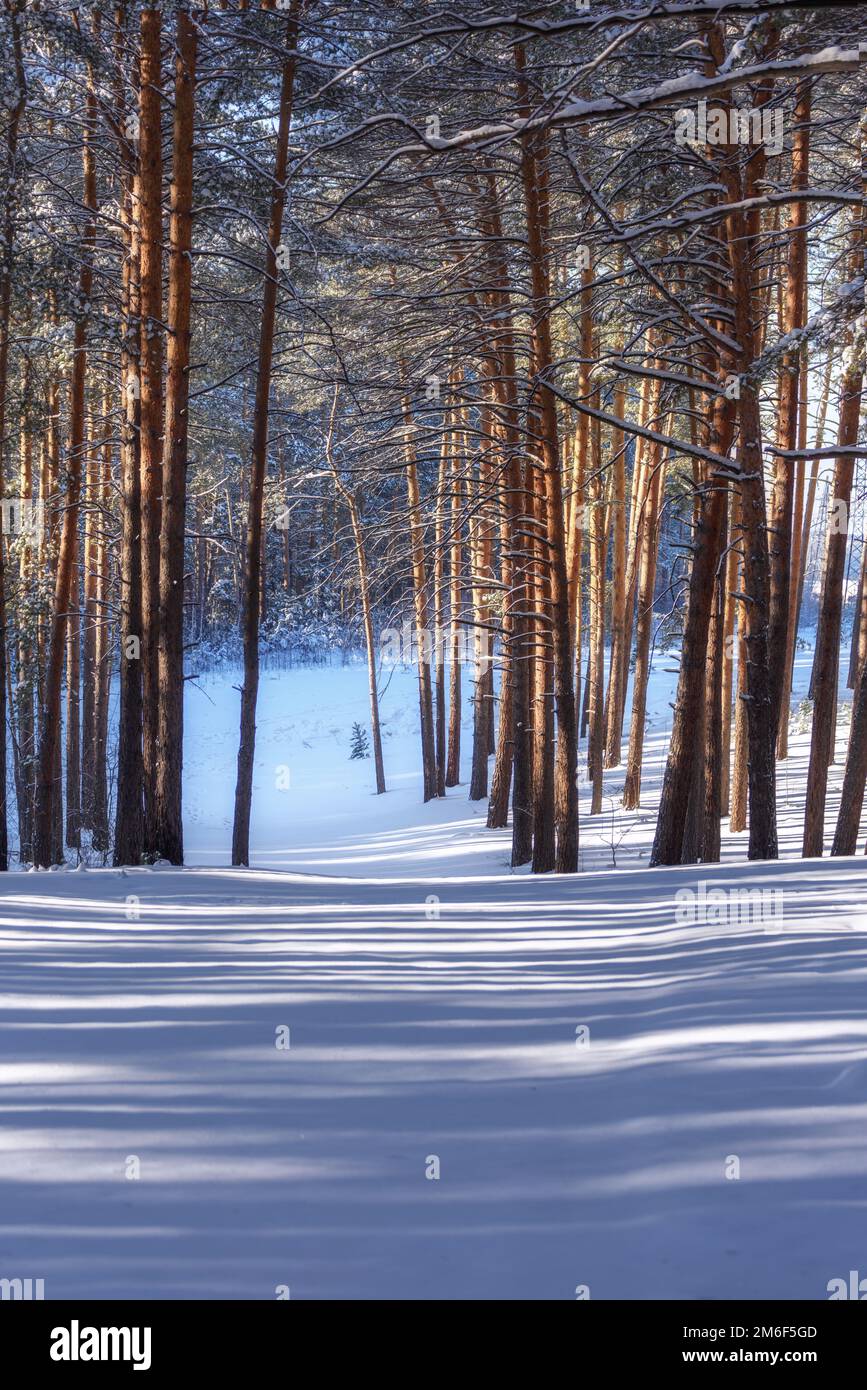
pixel 220 1083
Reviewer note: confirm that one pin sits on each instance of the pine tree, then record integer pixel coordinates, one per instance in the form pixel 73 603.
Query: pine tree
pixel 360 745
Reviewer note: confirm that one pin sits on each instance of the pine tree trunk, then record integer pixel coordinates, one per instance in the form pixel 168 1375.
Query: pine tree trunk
pixel 73 704
pixel 644 629
pixel 480 551
pixel 738 799
pixel 731 576
pixel 439 609
pixel 102 646
pixel 420 607
pixel 498 805
pixel 648 411
pixel 453 761
pixel 544 832
pixel 45 837
pixel 712 781
pixel 92 491
pixel 535 188
pixel 129 809
pixel 370 647
pixel 617 673
pixel 596 679
pixel 151 433
pixel 27 681
pixel 168 817
pixel 258 460
pixel 782 506
pixel 799 540
pixel 14 112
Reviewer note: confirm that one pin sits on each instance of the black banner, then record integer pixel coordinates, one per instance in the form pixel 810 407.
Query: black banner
pixel 77 1340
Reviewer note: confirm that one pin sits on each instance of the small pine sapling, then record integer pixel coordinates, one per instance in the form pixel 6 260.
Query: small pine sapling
pixel 360 746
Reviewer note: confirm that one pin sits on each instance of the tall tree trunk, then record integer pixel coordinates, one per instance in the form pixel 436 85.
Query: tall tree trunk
pixel 480 552
pixel 712 782
pixel 806 529
pixel 647 416
pixel 73 700
pixel 731 575
pixel 420 606
pixel 644 628
pixel 45 837
pixel 168 818
pixel 782 507
pixel 439 607
pixel 617 673
pixel 799 541
pixel 27 682
pixel 258 459
pixel 151 434
pixel 92 493
pixel 102 647
pixel 129 809
pixel 535 188
pixel 498 805
pixel 596 678
pixel 453 761
pixel 544 832
pixel 14 113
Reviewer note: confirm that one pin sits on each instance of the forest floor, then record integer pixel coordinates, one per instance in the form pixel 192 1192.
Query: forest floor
pixel 705 1138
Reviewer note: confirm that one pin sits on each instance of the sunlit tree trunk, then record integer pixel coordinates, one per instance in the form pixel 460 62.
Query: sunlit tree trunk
pixel 151 432
pixel 168 818
pixel 45 837
pixel 129 810
pixel 456 562
pixel 782 550
pixel 644 629
pixel 534 182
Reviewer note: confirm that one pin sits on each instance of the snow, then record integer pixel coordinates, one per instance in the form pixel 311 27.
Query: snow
pixel 435 1003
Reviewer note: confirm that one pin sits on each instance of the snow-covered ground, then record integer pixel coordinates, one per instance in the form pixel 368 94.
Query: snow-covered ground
pixel 705 1138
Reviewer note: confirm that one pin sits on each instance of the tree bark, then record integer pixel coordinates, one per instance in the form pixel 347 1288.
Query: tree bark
pixel 453 761
pixel 168 816
pixel 782 507
pixel 644 627
pixel 534 182
pixel 258 460
pixel 45 840
pixel 129 807
pixel 420 606
pixel 151 430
